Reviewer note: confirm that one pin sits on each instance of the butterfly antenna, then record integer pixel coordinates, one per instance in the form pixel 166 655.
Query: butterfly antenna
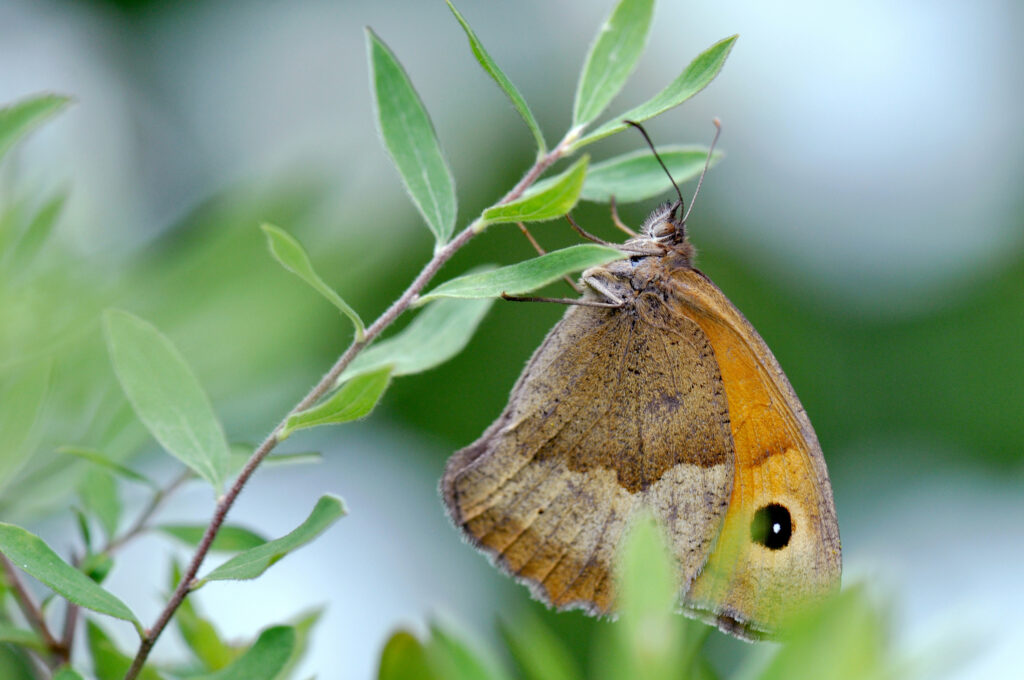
pixel 638 126
pixel 707 164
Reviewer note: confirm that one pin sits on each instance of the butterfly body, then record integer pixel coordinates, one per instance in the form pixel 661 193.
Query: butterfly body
pixel 665 402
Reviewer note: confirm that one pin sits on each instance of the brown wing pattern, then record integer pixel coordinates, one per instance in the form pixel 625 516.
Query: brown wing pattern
pixel 617 410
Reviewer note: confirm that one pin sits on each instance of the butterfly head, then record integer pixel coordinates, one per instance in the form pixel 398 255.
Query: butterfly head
pixel 666 227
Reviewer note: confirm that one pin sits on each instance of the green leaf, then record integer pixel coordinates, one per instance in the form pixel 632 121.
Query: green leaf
pixel 849 626
pixel 199 634
pixel 263 661
pixel 638 177
pixel 538 651
pixel 303 625
pixel 438 333
pixel 553 200
pixel 23 396
pixel 290 253
pixel 695 78
pixel 503 82
pixel 19 119
pixel 354 400
pixel 612 57
pixel 37 232
pixel 67 674
pixel 240 453
pixel 404 657
pixel 21 637
pixel 166 395
pixel 98 458
pixel 526 276
pixel 30 554
pixel 255 561
pixel 107 660
pixel 99 495
pixel 229 538
pixel 409 137
pixel 452 659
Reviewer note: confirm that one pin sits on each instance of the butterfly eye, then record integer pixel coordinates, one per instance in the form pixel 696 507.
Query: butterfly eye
pixel 772 527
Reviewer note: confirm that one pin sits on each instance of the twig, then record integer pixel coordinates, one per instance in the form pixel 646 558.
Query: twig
pixel 441 256
pixel 33 614
pixel 141 523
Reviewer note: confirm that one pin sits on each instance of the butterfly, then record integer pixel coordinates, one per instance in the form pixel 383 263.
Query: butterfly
pixel 654 394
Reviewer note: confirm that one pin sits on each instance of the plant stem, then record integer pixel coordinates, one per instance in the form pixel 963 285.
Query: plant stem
pixel 441 256
pixel 141 523
pixel 33 614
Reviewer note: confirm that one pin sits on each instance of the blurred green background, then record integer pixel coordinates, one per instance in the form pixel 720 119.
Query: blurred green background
pixel 867 219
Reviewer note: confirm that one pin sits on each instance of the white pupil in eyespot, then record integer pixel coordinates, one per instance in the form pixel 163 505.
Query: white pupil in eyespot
pixel 776 528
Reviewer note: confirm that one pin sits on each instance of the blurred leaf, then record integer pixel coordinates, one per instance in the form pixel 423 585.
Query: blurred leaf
pixel 98 492
pixel 263 661
pixel 19 119
pixel 99 459
pixel 97 566
pixel 409 137
pixel 229 538
pixel 638 177
pixel 452 659
pixel 199 634
pixel 22 397
pixel 83 528
pixel 503 82
pixel 695 78
pixel 38 231
pixel 166 395
pixel 647 641
pixel 538 651
pixel 612 57
pixel 255 561
pixel 526 276
pixel 843 639
pixel 290 253
pixel 438 333
pixel 34 557
pixel 21 637
pixel 404 657
pixel 67 674
pixel 16 664
pixel 107 660
pixel 354 400
pixel 303 625
pixel 551 201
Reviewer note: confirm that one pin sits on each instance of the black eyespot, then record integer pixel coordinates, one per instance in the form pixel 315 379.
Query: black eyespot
pixel 772 527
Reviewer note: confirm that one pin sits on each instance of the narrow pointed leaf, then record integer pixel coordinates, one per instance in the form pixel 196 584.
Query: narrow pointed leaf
pixel 692 80
pixel 98 458
pixel 99 494
pixel 354 400
pixel 199 633
pixel 255 561
pixel 503 82
pixel 539 652
pixel 638 177
pixel 21 637
pixel 19 119
pixel 240 454
pixel 263 661
pixel 290 253
pixel 30 554
pixel 404 657
pixel 612 57
pixel 526 276
pixel 438 333
pixel 452 659
pixel 229 538
pixel 37 232
pixel 553 200
pixel 166 395
pixel 304 623
pixel 23 396
pixel 410 139
pixel 107 660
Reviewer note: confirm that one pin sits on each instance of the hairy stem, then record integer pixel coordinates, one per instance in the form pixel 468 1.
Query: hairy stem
pixel 441 256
